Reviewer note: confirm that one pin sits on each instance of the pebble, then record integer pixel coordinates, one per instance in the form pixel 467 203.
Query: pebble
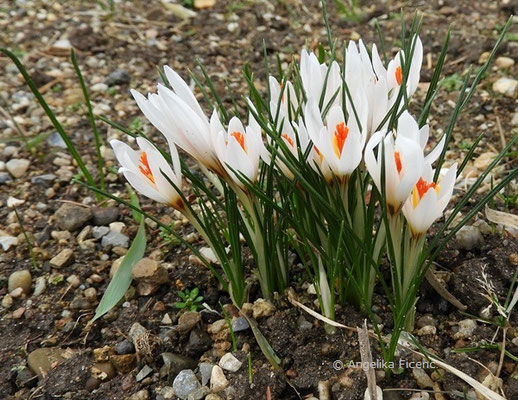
pixel 466 329
pixel 17 167
pixel 39 286
pixel 506 86
pixel 240 324
pixel 174 363
pixel 514 120
pixel 7 301
pixel 218 380
pixel 167 392
pixel 230 363
pixel 105 215
pixel 166 320
pixel 44 179
pixel 7 241
pixel 55 140
pixel 63 259
pixel 303 324
pixel 14 202
pixel 469 237
pixel 420 396
pixel 16 293
pixel 217 326
pixel 20 279
pixel 262 308
pixel 143 373
pixel 100 231
pixel 199 342
pixel 188 321
pixel 422 379
pixel 124 347
pixel 74 281
pixel 504 62
pixel 18 313
pixel 115 239
pixel 150 271
pixel 103 371
pixel 212 396
pixel 91 294
pixel 70 217
pixel 80 303
pixel 140 395
pixel 118 77
pixel 483 227
pixel 185 383
pixel 205 372
pixel 427 330
pixel 41 360
pixel 99 87
pixel 5 178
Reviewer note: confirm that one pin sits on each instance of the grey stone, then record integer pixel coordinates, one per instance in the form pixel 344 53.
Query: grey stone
pixel 506 86
pixel 124 347
pixel 105 215
pixel 118 77
pixel 5 178
pixel 70 217
pixel 422 379
pixel 174 363
pixel 100 231
pixel 143 373
pixel 205 372
pixel 469 237
pixel 44 179
pixel 20 279
pixel 185 383
pixel 80 303
pixel 64 258
pixel 115 239
pixel 188 321
pixel 240 324
pixel 230 363
pixel 55 140
pixel 304 324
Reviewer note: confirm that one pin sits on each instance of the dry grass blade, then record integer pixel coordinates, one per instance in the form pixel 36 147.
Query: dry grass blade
pixel 503 218
pixel 366 357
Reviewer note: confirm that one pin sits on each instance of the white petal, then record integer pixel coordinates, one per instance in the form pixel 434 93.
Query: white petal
pixel 182 89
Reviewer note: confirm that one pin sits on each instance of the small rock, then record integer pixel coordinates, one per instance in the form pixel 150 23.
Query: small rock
pixel 63 259
pixel 99 87
pixel 167 320
pixel 18 313
pixel 17 167
pixel 262 308
pixel 466 329
pixel 100 231
pixel 218 380
pixel 201 4
pixel 504 62
pixel 506 86
pixel 124 347
pixel 427 330
pixel 41 360
pixel 7 301
pixel 185 383
pixel 20 279
pixel 483 227
pixel 115 239
pixel 80 303
pixel 70 217
pixel 117 226
pixel 16 293
pixel 39 286
pixel 140 395
pixel 303 324
pixel 217 326
pixel 136 331
pixel 91 295
pixel 14 202
pixel 205 372
pixel 212 396
pixel 422 379
pixel 230 363
pixel 469 237
pixel 167 392
pixel 7 241
pixel 240 324
pixel 143 373
pixel 5 178
pixel 514 120
pixel 174 363
pixel 102 354
pixel 188 321
pixel 149 271
pixel 118 77
pixel 103 371
pixel 74 281
pixel 198 343
pixel 45 179
pixel 105 215
pixel 24 378
pixel 55 140
pixel 420 396
pixel 60 235
pixel 123 363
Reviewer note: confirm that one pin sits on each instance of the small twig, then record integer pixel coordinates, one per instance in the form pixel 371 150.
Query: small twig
pixel 501 132
pixel 502 352
pixel 442 291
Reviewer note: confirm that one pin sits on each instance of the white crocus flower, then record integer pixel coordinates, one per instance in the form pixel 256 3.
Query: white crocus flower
pixel 429 199
pixel 340 142
pixel 317 80
pixel 287 97
pixel 145 169
pixel 239 149
pixel 177 114
pixel 403 163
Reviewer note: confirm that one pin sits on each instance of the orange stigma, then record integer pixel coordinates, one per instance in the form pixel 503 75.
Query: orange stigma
pixel 397 158
pixel 341 132
pixel 399 75
pixel 288 139
pixel 420 190
pixel 240 139
pixel 144 168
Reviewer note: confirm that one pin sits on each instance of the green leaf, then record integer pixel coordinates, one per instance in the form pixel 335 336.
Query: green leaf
pixel 122 279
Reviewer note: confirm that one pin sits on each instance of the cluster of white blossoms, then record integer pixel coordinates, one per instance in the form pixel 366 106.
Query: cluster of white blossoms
pixel 341 119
